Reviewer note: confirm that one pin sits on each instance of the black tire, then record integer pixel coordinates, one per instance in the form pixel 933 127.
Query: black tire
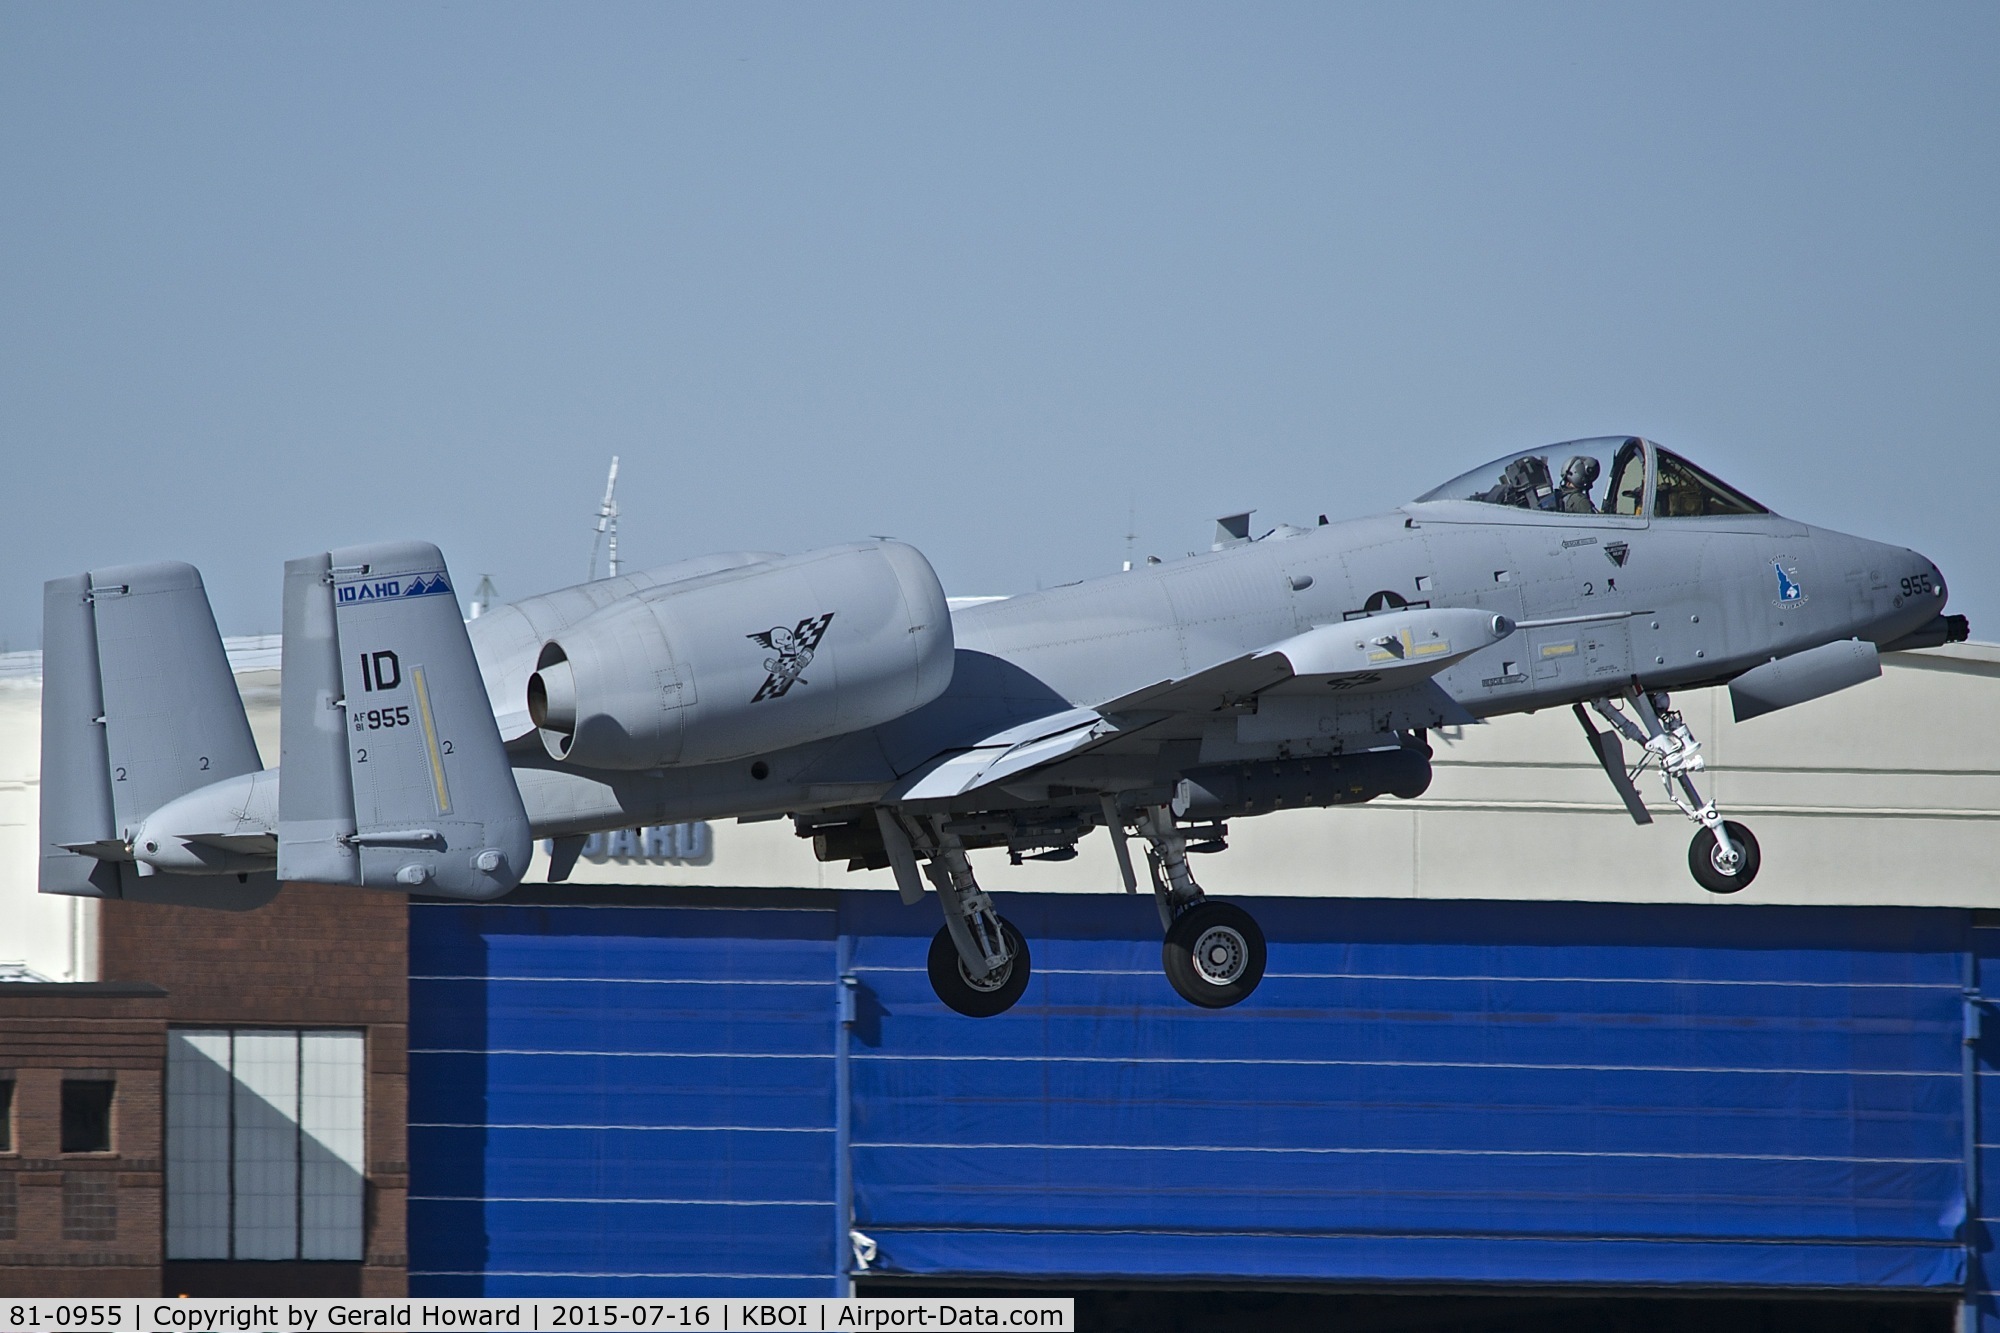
pixel 1214 955
pixel 1702 859
pixel 985 998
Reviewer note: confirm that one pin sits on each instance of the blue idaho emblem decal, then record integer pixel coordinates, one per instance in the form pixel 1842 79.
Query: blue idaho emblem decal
pixel 1789 588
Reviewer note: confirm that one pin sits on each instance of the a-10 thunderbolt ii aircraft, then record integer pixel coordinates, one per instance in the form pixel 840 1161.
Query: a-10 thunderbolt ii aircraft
pixel 1302 667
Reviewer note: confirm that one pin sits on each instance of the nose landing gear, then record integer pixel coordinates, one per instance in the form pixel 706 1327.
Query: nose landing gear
pixel 1723 857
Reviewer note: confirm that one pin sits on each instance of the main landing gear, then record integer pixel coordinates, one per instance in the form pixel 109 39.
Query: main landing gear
pixel 979 965
pixel 1723 856
pixel 1214 952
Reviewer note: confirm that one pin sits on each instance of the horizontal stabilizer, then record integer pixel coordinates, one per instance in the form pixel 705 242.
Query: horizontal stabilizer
pixel 105 849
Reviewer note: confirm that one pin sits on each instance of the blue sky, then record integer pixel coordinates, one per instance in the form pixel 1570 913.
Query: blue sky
pixel 990 279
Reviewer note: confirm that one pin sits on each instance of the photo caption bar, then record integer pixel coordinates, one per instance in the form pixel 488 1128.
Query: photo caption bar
pixel 159 1314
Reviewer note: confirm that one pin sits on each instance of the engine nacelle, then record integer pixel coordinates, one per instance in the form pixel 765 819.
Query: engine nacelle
pixel 746 661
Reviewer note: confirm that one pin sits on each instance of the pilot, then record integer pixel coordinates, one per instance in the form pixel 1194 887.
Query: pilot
pixel 1524 485
pixel 1579 475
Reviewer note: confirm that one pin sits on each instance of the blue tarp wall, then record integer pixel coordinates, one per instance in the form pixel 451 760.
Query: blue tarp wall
pixel 705 1092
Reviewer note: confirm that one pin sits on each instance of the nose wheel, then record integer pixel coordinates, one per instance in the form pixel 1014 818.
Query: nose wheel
pixel 1723 867
pixel 1214 955
pixel 1723 856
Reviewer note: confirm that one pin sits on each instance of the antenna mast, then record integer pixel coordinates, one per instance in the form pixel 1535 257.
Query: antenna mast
pixel 482 597
pixel 607 522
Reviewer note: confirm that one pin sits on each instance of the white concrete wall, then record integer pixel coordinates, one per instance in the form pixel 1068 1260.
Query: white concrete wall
pixel 55 937
pixel 1886 793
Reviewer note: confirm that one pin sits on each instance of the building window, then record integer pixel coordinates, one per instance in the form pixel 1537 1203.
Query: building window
pixel 265 1132
pixel 10 1206
pixel 86 1114
pixel 6 1115
pixel 90 1205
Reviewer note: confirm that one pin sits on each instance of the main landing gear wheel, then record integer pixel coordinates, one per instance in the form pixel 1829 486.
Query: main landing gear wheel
pixel 1214 955
pixel 1717 872
pixel 979 997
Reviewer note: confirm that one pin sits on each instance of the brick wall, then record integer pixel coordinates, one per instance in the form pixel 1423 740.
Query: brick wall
pixel 84 1223
pixel 314 956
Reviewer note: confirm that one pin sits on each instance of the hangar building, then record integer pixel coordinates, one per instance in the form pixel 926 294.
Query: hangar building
pixel 1505 1044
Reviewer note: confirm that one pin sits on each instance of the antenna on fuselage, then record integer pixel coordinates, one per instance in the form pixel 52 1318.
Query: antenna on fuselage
pixel 482 598
pixel 607 523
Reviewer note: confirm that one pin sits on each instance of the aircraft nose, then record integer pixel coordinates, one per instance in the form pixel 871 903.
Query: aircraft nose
pixel 1918 593
pixel 1922 581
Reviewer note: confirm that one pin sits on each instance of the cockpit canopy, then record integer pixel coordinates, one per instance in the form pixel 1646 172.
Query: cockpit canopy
pixel 1610 474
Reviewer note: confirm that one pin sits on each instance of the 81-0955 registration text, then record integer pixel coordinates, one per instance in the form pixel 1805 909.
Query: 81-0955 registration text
pixel 219 1315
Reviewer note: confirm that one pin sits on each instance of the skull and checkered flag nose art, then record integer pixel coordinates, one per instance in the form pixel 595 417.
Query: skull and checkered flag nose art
pixel 792 653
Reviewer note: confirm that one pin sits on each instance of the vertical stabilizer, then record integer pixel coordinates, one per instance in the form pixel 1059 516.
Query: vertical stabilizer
pixel 139 708
pixel 410 788
pixel 173 719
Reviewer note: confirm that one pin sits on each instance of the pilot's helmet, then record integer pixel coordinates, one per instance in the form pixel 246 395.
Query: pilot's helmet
pixel 1580 473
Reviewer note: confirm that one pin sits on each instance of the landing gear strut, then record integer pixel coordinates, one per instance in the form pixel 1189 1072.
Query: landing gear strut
pixel 1723 856
pixel 1214 952
pixel 978 963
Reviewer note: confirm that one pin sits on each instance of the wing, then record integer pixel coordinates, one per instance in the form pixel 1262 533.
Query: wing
pixel 1383 662
pixel 1375 654
pixel 1008 754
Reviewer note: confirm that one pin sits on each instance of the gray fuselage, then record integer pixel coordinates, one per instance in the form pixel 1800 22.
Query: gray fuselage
pixel 1704 599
